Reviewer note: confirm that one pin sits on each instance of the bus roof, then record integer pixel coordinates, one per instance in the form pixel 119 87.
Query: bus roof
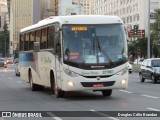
pixel 75 19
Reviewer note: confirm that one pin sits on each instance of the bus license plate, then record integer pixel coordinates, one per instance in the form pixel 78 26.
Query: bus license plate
pixel 98 85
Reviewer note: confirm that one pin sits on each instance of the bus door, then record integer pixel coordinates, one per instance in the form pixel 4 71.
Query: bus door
pixel 58 59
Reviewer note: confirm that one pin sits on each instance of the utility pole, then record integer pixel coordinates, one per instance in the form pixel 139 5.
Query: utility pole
pixel 5 29
pixel 149 44
pixel 79 7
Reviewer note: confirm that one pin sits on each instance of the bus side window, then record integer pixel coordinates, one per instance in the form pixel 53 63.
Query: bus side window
pixel 31 42
pixel 51 31
pixel 38 36
pixel 44 39
pixel 22 37
pixel 26 43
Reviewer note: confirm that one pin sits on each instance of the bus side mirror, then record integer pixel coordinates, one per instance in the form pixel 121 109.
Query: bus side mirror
pixel 36 46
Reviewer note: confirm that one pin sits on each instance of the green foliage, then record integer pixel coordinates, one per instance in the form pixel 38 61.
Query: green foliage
pixel 138 48
pixel 155 28
pixel 4 43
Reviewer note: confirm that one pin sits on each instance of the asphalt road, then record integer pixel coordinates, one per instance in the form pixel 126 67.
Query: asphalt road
pixel 16 95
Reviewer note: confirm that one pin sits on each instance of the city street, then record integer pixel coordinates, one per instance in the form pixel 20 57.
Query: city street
pixel 16 95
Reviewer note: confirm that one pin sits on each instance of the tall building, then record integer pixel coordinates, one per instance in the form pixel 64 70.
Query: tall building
pixel 23 13
pixel 20 16
pixel 87 5
pixel 49 8
pixel 132 12
pixel 3 14
pixel 67 7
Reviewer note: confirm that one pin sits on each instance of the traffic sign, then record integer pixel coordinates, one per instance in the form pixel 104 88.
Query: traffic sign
pixel 139 33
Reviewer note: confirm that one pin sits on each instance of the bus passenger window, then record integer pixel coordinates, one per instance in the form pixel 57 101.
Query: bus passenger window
pixel 31 42
pixel 51 31
pixel 26 43
pixel 38 36
pixel 22 37
pixel 44 39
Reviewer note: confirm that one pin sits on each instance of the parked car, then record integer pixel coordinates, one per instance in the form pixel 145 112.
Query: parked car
pixel 150 69
pixel 129 68
pixel 16 62
pixel 9 61
pixel 3 62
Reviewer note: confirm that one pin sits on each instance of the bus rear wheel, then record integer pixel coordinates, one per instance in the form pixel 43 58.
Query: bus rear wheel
pixel 33 86
pixel 106 92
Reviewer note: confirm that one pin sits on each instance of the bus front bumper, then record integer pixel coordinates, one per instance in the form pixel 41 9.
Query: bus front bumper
pixel 82 83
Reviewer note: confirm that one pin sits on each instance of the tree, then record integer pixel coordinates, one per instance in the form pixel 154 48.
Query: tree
pixel 138 48
pixel 155 28
pixel 4 42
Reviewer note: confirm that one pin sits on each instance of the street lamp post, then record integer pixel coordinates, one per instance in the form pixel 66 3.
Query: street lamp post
pixel 149 44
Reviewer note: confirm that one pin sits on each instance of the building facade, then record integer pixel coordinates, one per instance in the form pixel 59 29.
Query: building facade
pixel 132 12
pixel 23 13
pixel 49 8
pixel 87 5
pixel 79 7
pixel 20 16
pixel 3 14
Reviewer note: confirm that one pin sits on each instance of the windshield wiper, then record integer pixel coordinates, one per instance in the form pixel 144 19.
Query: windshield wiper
pixel 101 51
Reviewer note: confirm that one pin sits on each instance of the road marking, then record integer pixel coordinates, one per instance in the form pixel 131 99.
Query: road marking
pixel 19 81
pixel 10 78
pixel 153 109
pixel 92 110
pixel 57 118
pixel 105 115
pixel 54 116
pixel 113 118
pixel 150 96
pixel 125 91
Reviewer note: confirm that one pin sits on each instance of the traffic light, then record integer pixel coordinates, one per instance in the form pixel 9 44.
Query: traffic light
pixel 135 29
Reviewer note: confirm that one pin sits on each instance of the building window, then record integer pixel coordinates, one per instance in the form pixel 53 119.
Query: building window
pixel 130 18
pixel 152 15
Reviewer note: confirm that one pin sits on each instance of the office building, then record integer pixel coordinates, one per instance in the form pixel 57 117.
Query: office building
pixel 132 12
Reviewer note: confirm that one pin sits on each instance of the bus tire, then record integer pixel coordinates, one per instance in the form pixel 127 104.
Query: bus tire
pixel 153 77
pixel 106 92
pixel 52 80
pixel 59 93
pixel 33 86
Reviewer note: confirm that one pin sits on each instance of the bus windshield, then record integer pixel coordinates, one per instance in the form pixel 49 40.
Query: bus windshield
pixel 103 45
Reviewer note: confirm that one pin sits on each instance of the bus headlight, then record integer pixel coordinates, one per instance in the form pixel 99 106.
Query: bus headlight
pixel 70 73
pixel 123 82
pixel 122 72
pixel 70 83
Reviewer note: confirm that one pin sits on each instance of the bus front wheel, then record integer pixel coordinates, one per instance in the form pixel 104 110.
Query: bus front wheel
pixel 106 92
pixel 57 92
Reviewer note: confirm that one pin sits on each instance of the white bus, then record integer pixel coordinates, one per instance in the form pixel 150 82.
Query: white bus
pixel 74 53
